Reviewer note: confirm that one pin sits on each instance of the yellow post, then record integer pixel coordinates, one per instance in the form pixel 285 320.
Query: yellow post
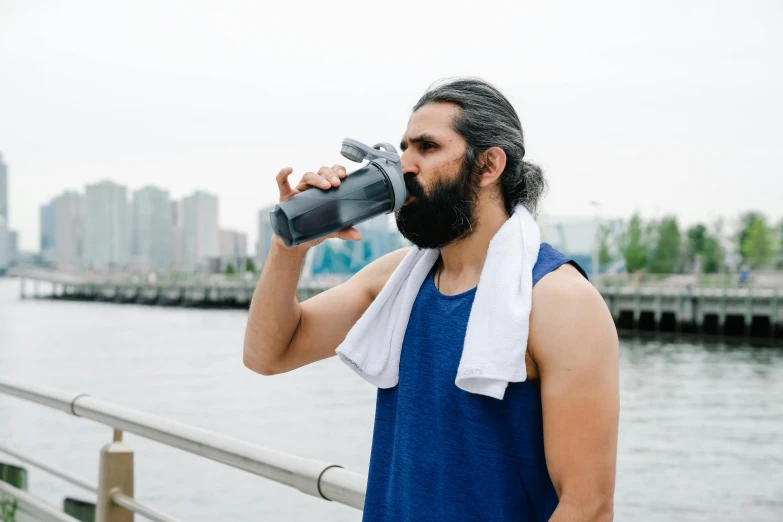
pixel 116 473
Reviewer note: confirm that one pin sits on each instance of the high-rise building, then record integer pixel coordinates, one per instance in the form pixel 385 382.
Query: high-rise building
pixel 152 229
pixel 177 213
pixel 7 236
pixel 106 226
pixel 264 242
pixel 68 242
pixel 13 245
pixel 200 238
pixel 233 248
pixel 4 191
pixel 6 255
pixel 177 232
pixel 48 229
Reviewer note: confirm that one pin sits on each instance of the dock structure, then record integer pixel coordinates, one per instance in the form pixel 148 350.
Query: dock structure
pixel 749 312
pixel 197 292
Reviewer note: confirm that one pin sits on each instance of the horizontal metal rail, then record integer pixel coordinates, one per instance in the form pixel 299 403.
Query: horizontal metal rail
pixel 119 498
pixel 311 476
pixel 34 506
pixel 76 481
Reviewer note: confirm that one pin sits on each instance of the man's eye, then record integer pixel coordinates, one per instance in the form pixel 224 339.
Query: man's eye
pixel 427 146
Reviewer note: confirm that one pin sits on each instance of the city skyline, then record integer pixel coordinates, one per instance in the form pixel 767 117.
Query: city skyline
pixel 253 230
pixel 111 228
pixel 635 110
pixel 108 227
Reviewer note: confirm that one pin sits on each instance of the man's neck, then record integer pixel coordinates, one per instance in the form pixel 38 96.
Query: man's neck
pixel 462 262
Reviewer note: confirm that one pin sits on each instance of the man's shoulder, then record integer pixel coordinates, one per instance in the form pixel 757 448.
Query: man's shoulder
pixel 566 308
pixel 564 281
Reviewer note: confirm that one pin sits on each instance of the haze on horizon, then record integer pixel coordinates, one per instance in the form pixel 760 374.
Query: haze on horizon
pixel 661 107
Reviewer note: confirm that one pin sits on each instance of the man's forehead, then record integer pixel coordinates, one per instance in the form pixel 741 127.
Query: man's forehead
pixel 432 119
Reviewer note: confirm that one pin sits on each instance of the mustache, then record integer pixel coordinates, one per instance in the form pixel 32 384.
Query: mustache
pixel 414 188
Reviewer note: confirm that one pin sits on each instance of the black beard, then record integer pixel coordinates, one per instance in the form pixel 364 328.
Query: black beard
pixel 444 215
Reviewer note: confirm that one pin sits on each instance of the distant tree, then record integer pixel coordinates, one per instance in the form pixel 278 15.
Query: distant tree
pixel 633 245
pixel 746 223
pixel 712 257
pixel 665 255
pixel 604 249
pixel 250 266
pixel 758 246
pixel 230 269
pixel 695 242
pixel 706 245
pixel 780 244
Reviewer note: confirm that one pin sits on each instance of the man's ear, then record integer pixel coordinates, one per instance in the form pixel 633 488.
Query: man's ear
pixel 493 161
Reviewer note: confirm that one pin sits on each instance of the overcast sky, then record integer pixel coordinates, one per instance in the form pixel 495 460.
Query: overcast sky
pixel 661 106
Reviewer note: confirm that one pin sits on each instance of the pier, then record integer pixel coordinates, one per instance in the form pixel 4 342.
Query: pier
pixel 197 292
pixel 754 312
pixel 740 312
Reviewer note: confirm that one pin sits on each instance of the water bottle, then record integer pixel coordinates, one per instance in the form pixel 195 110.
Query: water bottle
pixel 374 189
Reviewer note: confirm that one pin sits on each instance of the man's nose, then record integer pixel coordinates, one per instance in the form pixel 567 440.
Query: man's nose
pixel 408 165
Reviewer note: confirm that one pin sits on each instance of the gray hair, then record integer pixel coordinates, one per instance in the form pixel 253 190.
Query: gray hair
pixel 487 119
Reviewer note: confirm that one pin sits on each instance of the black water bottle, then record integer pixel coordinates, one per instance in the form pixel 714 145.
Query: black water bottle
pixel 374 189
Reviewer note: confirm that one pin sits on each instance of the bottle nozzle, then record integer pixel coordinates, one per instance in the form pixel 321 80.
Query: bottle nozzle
pixel 357 151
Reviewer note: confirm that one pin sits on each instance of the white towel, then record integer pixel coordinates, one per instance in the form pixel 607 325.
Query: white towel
pixel 496 339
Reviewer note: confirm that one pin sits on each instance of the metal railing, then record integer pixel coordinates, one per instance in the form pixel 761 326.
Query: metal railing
pixel 35 506
pixel 311 476
pixel 116 495
pixel 64 475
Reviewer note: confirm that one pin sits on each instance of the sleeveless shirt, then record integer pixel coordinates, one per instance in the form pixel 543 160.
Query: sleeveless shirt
pixel 441 453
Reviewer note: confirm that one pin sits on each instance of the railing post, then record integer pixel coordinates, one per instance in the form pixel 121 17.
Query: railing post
pixel 21 288
pixel 116 473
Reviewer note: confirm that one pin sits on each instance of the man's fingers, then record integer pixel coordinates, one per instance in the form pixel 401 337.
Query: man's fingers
pixel 324 179
pixel 305 182
pixel 349 234
pixel 339 170
pixel 284 173
pixel 282 179
pixel 311 179
pixel 329 175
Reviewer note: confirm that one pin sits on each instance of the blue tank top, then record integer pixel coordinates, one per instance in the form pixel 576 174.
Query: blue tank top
pixel 440 453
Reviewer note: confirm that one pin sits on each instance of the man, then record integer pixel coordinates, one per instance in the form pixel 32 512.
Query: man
pixel 547 450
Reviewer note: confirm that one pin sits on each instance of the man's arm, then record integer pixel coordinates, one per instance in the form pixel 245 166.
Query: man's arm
pixel 283 334
pixel 574 344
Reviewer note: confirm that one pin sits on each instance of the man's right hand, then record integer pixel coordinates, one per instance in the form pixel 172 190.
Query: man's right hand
pixel 282 333
pixel 324 179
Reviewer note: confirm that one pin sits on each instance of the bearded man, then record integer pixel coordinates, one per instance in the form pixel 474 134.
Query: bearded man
pixel 547 450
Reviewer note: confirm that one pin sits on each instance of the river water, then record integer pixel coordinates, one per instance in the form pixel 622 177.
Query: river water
pixel 701 430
